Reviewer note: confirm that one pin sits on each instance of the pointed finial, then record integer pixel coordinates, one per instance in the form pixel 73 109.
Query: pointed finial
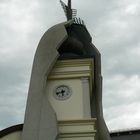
pixel 69 12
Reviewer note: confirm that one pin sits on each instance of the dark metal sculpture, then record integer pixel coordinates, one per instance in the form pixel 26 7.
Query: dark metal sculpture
pixel 69 12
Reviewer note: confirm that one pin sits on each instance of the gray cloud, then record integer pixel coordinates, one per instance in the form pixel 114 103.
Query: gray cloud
pixel 114 26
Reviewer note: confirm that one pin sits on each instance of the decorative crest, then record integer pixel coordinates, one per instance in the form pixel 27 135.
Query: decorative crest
pixel 69 12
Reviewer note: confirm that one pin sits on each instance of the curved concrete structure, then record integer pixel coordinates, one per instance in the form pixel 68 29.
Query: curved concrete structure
pixel 40 120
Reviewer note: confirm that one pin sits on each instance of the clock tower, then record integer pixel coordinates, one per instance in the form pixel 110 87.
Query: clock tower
pixel 65 93
pixel 69 91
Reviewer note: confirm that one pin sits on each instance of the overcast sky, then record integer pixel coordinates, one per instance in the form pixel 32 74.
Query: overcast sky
pixel 115 29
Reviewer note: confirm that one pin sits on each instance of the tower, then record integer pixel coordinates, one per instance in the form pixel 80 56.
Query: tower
pixel 65 93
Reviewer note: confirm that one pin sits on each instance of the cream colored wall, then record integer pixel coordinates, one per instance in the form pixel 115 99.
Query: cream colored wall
pixel 86 97
pixel 77 129
pixel 12 136
pixel 76 74
pixel 71 108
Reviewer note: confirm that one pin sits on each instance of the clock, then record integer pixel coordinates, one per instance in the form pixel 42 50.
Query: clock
pixel 62 92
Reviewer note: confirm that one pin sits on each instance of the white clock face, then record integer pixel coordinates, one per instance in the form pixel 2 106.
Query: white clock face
pixel 62 92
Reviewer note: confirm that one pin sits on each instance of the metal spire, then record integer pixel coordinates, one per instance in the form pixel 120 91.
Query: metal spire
pixel 69 12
